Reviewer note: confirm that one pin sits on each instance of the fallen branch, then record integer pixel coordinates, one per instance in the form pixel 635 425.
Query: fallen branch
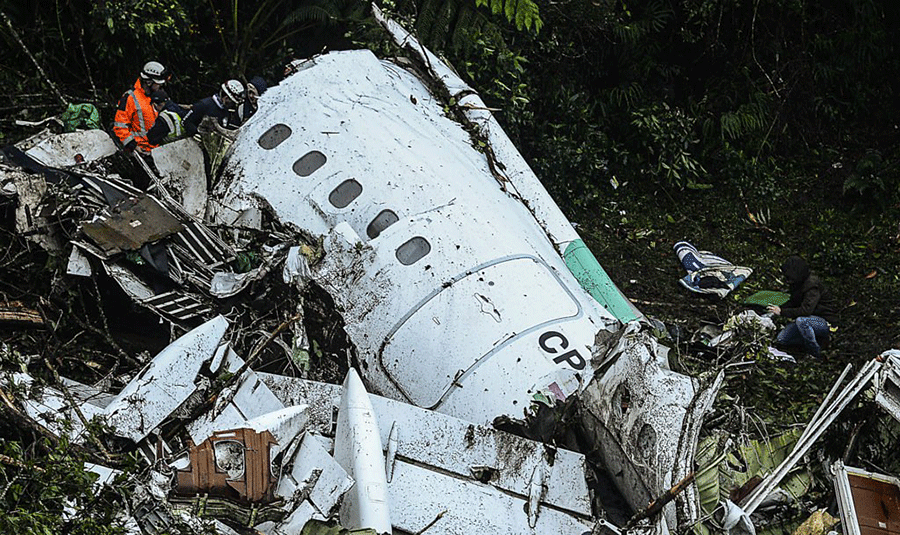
pixel 27 107
pixel 87 65
pixel 23 421
pixel 438 517
pixel 16 313
pixel 33 60
pixel 76 407
pixel 9 461
pixel 232 379
pixel 662 304
pixel 657 505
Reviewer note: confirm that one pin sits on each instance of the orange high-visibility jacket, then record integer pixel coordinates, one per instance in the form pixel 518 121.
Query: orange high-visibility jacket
pixel 134 117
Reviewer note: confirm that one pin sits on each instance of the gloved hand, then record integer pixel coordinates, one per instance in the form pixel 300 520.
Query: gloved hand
pixel 129 148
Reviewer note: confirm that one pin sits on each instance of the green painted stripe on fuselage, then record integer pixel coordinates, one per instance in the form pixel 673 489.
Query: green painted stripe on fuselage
pixel 590 274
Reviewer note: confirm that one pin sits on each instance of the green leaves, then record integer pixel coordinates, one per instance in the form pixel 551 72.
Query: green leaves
pixel 525 14
pixel 667 134
pixel 40 488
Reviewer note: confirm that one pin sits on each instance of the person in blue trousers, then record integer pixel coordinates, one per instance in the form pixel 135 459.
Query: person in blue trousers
pixel 810 306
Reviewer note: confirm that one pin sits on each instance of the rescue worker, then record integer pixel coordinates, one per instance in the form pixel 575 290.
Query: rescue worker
pixel 231 94
pixel 135 115
pixel 168 126
pixel 255 87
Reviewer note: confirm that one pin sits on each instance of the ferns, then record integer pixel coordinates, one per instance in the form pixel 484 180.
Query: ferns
pixel 654 18
pixel 750 118
pixel 443 23
pixel 523 13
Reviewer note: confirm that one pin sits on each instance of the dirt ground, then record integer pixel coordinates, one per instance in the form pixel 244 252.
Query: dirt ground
pixel 857 254
pixel 638 255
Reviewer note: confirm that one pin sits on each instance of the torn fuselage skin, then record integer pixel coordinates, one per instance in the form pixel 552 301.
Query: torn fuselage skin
pixel 451 285
pixel 450 290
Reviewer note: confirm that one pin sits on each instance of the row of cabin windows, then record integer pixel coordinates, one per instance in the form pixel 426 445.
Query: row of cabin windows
pixel 345 193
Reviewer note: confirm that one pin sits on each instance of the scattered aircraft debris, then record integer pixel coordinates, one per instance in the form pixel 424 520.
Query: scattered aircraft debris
pixel 868 502
pixel 274 470
pixel 458 292
pixel 887 383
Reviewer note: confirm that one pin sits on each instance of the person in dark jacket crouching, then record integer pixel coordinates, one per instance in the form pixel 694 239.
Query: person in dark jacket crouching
pixel 168 125
pixel 810 306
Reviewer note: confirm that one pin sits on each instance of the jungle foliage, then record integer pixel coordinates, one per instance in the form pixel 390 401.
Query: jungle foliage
pixel 676 93
pixel 680 93
pixel 754 128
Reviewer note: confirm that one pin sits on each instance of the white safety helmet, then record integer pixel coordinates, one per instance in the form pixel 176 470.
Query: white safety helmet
pixel 154 71
pixel 232 91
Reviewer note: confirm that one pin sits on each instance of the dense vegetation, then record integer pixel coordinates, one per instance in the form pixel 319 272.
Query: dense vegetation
pixel 752 128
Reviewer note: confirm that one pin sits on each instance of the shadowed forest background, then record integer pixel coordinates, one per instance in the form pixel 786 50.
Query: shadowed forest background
pixel 754 129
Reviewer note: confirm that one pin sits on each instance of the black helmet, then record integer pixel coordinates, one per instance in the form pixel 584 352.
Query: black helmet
pixel 257 86
pixel 159 97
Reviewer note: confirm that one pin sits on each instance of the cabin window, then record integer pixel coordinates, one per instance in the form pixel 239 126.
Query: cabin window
pixel 412 251
pixel 229 456
pixel 382 221
pixel 309 163
pixel 346 192
pixel 274 136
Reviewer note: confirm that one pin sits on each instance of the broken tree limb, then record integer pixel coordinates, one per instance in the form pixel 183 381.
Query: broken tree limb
pixel 664 304
pixel 233 378
pixel 16 313
pixel 26 107
pixel 37 65
pixel 657 505
pixel 433 522
pixel 87 65
pixel 75 406
pixel 9 461
pixel 104 332
pixel 23 421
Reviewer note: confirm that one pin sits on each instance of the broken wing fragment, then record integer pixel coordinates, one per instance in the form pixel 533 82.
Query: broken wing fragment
pixel 453 476
pixel 357 447
pixel 166 382
pixel 313 484
pixel 869 503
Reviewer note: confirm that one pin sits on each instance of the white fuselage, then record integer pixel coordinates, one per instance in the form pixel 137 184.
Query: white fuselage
pixel 450 279
pixel 461 303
